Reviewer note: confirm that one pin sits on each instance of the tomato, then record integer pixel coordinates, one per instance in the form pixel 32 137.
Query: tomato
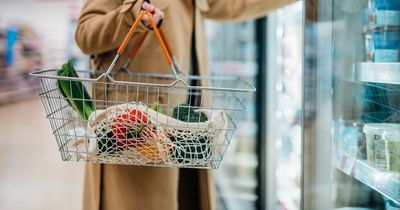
pixel 128 128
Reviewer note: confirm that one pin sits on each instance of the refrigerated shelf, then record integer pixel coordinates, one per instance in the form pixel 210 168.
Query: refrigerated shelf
pixel 385 183
pixel 388 73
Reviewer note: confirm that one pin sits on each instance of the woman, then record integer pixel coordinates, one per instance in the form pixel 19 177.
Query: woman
pixel 102 26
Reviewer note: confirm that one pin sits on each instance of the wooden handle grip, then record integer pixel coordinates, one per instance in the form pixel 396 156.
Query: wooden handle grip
pixel 159 38
pixel 137 45
pixel 130 33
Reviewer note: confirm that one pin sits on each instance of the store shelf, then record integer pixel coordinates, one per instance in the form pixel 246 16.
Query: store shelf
pixel 385 183
pixel 388 73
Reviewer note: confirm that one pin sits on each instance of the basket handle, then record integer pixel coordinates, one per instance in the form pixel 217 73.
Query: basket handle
pixel 166 49
pixel 136 48
pixel 139 43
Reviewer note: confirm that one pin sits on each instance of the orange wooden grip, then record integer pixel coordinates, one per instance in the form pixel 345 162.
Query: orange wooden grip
pixel 140 41
pixel 137 45
pixel 130 33
pixel 159 38
pixel 171 53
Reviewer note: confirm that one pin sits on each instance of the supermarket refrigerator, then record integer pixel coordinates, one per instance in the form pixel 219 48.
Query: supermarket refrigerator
pixel 262 167
pixel 351 105
pixel 233 49
pixel 322 130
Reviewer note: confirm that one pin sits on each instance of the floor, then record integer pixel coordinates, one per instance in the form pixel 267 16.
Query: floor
pixel 32 175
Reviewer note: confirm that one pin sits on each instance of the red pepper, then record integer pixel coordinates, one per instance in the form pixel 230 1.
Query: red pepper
pixel 128 128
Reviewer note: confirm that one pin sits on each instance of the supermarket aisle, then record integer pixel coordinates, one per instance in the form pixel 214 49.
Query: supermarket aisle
pixel 32 175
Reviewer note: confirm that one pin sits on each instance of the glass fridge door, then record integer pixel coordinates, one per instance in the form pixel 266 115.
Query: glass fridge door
pixel 233 51
pixel 351 105
pixel 282 142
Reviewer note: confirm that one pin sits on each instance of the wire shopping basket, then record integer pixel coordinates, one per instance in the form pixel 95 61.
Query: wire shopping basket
pixel 140 118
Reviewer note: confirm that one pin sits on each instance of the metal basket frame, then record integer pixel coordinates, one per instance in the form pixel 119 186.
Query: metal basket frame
pixel 166 144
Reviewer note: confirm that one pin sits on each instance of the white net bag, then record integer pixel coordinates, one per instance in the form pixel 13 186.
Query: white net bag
pixel 134 134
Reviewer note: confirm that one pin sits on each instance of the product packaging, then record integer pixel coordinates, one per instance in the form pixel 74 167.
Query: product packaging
pixel 384 12
pixel 392 147
pixel 382 44
pixel 376 154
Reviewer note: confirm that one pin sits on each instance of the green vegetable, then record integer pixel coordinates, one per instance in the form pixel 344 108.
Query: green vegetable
pixel 194 149
pixel 186 113
pixel 107 144
pixel 156 107
pixel 74 92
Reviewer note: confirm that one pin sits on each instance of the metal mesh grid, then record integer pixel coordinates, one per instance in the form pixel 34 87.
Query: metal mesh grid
pixel 163 140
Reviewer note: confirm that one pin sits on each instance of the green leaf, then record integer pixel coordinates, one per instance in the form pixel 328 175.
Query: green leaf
pixel 75 92
pixel 186 113
pixel 190 149
pixel 156 107
pixel 106 144
pixel 135 133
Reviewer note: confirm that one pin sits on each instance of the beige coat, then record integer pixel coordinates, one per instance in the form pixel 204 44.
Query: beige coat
pixel 101 29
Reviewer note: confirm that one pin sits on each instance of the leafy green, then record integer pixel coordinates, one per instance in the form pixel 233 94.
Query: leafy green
pixel 75 92
pixel 190 149
pixel 135 133
pixel 186 113
pixel 107 144
pixel 156 107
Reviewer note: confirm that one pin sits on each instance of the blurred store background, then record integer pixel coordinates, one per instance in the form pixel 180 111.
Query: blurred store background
pixel 324 69
pixel 41 36
pixel 34 35
pixel 267 53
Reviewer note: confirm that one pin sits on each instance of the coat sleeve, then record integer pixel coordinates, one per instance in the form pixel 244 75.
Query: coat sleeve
pixel 242 9
pixel 103 24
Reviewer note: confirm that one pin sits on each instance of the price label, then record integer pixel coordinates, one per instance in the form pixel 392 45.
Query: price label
pixel 346 164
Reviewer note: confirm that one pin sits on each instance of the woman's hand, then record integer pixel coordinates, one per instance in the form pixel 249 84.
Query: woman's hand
pixel 158 15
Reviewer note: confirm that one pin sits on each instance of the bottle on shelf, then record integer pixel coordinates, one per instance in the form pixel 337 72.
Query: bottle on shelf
pixel 382 33
pixel 392 149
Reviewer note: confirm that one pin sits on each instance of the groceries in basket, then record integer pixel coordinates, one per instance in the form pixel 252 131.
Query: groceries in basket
pixel 126 122
pixel 121 132
pixel 140 133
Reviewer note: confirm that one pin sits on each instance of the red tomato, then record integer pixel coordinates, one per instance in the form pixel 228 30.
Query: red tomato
pixel 128 127
pixel 138 116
